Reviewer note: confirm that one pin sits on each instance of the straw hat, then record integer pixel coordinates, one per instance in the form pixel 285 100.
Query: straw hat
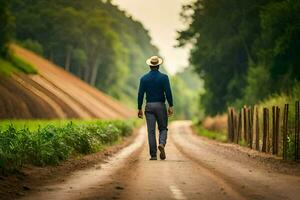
pixel 154 61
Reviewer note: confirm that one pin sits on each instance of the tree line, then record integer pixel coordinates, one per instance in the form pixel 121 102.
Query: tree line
pixel 244 50
pixel 92 39
pixel 95 41
pixel 6 28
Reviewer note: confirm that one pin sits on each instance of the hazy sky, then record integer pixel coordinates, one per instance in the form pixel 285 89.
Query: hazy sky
pixel 161 18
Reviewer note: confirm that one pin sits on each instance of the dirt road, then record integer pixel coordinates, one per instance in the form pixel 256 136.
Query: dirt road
pixel 195 169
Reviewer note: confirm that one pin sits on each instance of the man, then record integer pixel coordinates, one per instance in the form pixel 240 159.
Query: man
pixel 156 85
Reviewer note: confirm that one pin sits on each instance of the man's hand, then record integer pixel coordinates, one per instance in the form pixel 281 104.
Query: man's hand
pixel 140 113
pixel 170 111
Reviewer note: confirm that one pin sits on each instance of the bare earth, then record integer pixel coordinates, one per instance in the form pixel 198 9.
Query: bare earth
pixel 54 93
pixel 195 168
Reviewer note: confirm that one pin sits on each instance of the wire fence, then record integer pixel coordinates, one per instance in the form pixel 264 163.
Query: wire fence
pixel 268 130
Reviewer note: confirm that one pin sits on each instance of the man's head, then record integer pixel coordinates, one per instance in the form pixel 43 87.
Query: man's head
pixel 154 62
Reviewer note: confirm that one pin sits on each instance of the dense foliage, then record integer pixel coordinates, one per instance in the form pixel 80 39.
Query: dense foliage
pixel 93 39
pixel 244 50
pixel 6 28
pixel 8 62
pixel 187 88
pixel 53 144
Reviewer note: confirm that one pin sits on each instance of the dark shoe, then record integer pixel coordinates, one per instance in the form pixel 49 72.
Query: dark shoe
pixel 162 154
pixel 153 158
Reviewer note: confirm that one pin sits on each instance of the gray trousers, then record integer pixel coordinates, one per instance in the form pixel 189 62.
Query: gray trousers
pixel 156 112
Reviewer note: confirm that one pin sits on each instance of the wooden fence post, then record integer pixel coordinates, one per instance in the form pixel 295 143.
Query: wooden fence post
pixel 235 117
pixel 268 130
pixel 285 131
pixel 277 128
pixel 239 128
pixel 256 128
pixel 232 125
pixel 245 124
pixel 250 124
pixel 265 129
pixel 228 124
pixel 273 130
pixel 297 127
pixel 263 149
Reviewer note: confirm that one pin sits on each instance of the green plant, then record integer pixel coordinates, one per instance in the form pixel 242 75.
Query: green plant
pixel 51 144
pixel 221 137
pixel 15 64
pixel 22 65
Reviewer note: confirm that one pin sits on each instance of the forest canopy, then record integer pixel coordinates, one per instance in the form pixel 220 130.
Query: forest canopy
pixel 244 50
pixel 92 39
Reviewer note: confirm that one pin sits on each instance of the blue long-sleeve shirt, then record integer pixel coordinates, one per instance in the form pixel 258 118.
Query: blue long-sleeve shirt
pixel 156 85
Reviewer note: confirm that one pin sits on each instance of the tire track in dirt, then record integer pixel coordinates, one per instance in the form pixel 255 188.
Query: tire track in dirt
pixel 56 108
pixel 94 101
pixel 236 169
pixel 80 110
pixel 21 103
pixel 194 169
pixel 84 183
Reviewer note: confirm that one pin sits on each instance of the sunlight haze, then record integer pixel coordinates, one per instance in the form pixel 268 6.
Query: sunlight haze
pixel 162 20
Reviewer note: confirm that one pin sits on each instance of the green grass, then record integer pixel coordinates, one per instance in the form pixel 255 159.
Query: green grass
pixel 218 136
pixel 15 64
pixel 6 67
pixel 34 125
pixel 44 142
pixel 280 100
pixel 23 66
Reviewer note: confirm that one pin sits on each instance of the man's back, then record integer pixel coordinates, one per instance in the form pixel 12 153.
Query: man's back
pixel 156 86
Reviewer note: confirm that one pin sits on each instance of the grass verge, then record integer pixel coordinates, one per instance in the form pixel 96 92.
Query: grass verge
pixel 43 144
pixel 214 135
pixel 15 64
pixel 6 67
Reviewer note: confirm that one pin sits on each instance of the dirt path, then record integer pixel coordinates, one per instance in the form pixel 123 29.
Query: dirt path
pixel 194 169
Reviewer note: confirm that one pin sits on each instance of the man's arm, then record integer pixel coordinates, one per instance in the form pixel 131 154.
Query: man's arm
pixel 169 95
pixel 168 92
pixel 141 93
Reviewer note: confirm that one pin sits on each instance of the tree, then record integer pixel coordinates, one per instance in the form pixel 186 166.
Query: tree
pixel 280 22
pixel 6 28
pixel 68 31
pixel 222 33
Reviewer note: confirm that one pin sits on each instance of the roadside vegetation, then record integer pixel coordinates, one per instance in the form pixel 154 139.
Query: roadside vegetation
pixel 10 63
pixel 14 64
pixel 280 100
pixel 219 136
pixel 43 143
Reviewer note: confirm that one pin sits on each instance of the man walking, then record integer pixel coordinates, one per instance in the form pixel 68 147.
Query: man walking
pixel 156 85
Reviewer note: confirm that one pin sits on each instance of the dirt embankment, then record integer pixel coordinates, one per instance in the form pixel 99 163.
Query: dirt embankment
pixel 53 93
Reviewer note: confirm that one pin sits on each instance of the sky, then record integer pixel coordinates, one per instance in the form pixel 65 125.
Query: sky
pixel 161 18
